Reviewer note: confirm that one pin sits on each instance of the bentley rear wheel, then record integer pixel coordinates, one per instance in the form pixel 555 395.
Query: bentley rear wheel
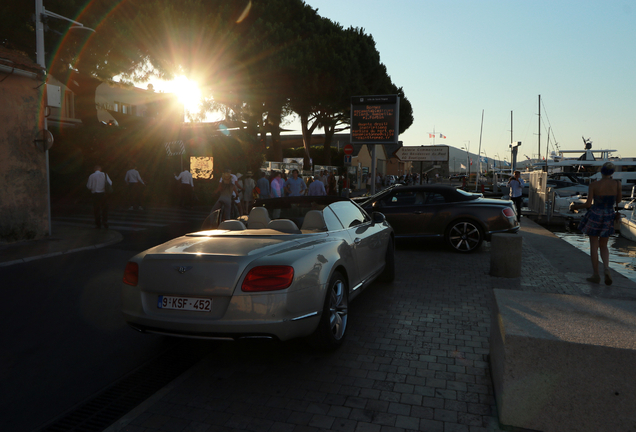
pixel 464 236
pixel 332 327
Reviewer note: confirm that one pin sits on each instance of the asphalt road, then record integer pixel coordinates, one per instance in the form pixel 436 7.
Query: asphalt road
pixel 64 341
pixel 63 338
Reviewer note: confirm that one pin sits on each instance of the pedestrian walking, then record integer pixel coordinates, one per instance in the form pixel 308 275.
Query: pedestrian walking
pixel 516 184
pixel 134 182
pixel 598 222
pixel 378 182
pixel 97 184
pixel 316 188
pixel 324 178
pixel 277 186
pixel 186 188
pixel 227 189
pixel 248 193
pixel 263 185
pixel 295 186
pixel 333 185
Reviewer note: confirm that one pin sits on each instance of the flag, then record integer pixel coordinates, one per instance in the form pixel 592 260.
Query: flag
pixel 442 136
pixel 506 163
pixel 483 159
pixel 431 135
pixel 471 161
pixel 462 166
pixel 527 157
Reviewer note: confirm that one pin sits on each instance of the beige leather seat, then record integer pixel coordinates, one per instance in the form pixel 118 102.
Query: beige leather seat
pixel 232 225
pixel 284 225
pixel 258 218
pixel 314 221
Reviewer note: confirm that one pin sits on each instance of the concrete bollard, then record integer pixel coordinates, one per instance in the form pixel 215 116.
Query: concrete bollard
pixel 505 255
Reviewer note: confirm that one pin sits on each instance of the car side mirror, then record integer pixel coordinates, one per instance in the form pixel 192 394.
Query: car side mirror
pixel 378 217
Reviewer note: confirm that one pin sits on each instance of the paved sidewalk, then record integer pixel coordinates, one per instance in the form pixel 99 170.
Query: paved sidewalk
pixel 65 239
pixel 415 358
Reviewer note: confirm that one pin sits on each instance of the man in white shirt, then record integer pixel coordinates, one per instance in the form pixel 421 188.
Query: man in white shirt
pixel 516 185
pixel 97 185
pixel 186 188
pixel 134 182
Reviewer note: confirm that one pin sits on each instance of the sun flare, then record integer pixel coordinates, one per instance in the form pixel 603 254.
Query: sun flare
pixel 187 91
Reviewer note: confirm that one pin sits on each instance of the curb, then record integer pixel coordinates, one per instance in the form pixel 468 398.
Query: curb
pixel 117 239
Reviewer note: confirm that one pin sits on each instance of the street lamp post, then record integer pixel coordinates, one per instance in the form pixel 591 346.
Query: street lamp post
pixel 40 11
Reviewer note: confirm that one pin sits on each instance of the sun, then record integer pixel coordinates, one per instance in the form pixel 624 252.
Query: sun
pixel 187 91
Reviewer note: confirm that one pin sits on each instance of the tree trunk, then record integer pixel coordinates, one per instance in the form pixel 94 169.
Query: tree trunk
pixel 329 132
pixel 307 131
pixel 273 125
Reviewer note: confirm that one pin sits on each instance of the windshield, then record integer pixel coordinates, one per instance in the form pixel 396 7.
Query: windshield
pixel 363 200
pixel 468 195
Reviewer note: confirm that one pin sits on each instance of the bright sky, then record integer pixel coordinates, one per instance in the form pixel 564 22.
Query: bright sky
pixel 456 58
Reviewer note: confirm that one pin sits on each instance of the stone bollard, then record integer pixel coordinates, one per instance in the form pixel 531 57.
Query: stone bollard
pixel 505 255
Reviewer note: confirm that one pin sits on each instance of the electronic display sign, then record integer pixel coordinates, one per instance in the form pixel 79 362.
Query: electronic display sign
pixel 374 119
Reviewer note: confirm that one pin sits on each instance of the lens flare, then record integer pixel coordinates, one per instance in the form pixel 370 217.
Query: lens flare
pixel 187 91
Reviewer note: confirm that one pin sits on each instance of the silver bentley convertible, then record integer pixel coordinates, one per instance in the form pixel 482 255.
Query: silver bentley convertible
pixel 287 270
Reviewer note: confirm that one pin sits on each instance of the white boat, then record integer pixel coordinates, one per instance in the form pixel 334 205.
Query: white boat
pixel 628 219
pixel 589 162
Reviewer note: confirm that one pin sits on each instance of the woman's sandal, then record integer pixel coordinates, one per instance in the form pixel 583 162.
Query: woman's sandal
pixel 608 277
pixel 595 278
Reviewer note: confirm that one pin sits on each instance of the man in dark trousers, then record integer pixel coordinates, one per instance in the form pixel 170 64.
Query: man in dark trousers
pixel 187 186
pixel 134 182
pixel 97 185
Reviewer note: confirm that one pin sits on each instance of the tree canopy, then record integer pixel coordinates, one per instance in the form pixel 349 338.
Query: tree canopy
pixel 257 61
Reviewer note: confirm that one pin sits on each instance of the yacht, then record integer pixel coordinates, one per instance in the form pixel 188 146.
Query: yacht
pixel 628 218
pixel 588 163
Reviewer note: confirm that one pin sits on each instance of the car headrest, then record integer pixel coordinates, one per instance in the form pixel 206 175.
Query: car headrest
pixel 283 225
pixel 314 221
pixel 232 225
pixel 258 218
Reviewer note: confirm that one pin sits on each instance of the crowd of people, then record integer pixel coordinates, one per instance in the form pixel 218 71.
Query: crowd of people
pixel 237 193
pixel 384 181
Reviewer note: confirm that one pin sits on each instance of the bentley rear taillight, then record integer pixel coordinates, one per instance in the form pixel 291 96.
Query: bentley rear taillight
pixel 268 278
pixel 508 212
pixel 131 274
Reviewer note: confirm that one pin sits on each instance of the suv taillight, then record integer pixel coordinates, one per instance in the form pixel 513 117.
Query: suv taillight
pixel 268 278
pixel 131 274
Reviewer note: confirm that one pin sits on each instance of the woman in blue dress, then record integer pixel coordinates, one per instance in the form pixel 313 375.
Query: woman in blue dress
pixel 598 221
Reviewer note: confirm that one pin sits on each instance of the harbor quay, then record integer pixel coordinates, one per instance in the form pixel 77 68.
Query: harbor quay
pixel 417 356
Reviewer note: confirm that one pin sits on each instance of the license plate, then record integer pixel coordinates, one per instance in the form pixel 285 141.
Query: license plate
pixel 184 303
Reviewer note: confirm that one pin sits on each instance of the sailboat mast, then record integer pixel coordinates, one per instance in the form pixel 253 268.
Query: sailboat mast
pixel 539 127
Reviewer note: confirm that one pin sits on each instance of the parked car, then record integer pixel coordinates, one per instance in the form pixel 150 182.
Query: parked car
pixel 289 270
pixel 458 177
pixel 462 218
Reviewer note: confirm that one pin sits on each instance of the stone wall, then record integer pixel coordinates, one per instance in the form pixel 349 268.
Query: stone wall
pixel 23 186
